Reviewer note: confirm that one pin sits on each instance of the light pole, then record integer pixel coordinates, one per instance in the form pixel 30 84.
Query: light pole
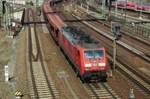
pixel 37 1
pixel 125 10
pixel 114 53
pixel 140 2
pixel 109 13
pixel 8 18
pixel 87 2
pixel 4 12
pixel 0 14
pixel 116 8
pixel 13 9
pixel 81 3
pixel 103 8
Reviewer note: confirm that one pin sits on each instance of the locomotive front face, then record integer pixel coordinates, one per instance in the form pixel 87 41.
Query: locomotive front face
pixel 95 60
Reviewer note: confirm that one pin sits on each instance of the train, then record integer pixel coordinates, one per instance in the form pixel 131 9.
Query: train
pixel 132 6
pixel 86 54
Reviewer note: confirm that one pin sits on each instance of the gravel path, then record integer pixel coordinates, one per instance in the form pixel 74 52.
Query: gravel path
pixel 6 88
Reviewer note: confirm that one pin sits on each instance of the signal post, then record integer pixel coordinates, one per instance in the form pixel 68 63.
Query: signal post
pixel 115 28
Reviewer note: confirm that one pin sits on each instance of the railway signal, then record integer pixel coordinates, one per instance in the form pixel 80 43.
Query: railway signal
pixel 115 28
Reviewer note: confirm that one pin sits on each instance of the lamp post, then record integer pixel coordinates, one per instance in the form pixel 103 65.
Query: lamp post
pixel 109 13
pixel 0 13
pixel 140 2
pixel 116 7
pixel 87 6
pixel 37 1
pixel 81 3
pixel 4 13
pixel 8 18
pixel 103 8
pixel 114 53
pixel 125 10
pixel 12 8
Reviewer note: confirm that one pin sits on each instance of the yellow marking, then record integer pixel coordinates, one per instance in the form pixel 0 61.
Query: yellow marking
pixel 18 93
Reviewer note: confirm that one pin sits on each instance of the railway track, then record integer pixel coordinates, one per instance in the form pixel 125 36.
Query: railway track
pixel 129 19
pixel 132 28
pixel 141 47
pixel 142 83
pixel 40 83
pixel 143 54
pixel 135 14
pixel 135 76
pixel 142 80
pixel 138 43
pixel 100 91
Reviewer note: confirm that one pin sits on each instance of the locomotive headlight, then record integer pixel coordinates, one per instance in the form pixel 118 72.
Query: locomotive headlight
pixel 88 65
pixel 101 64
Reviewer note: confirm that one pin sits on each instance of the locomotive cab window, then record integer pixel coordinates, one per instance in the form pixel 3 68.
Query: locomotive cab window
pixel 94 54
pixel 99 53
pixel 89 54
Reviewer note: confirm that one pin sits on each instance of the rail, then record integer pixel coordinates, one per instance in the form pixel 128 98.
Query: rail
pixel 42 85
pixel 142 82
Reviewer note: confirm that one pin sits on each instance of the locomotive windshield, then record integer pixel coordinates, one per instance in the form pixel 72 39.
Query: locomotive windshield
pixel 99 53
pixel 94 54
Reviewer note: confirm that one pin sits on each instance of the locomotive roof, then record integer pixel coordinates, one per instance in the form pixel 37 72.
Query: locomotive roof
pixel 77 36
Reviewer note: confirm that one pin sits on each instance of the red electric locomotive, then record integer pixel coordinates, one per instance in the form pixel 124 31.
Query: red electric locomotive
pixel 87 55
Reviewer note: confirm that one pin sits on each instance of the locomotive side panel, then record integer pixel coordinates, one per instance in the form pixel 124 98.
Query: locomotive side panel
pixel 82 50
pixel 71 51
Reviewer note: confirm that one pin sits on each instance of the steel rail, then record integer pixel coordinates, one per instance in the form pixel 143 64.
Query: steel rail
pixel 30 57
pixel 142 82
pixel 41 59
